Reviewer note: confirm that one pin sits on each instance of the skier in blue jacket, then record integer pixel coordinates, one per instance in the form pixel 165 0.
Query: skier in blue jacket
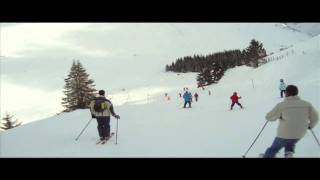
pixel 187 96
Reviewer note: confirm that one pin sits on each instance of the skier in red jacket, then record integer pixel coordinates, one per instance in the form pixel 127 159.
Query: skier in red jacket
pixel 234 98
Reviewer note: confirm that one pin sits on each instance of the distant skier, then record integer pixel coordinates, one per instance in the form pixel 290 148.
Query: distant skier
pixel 101 108
pixel 166 97
pixel 295 117
pixel 196 96
pixel 180 95
pixel 209 93
pixel 235 100
pixel 187 96
pixel 282 87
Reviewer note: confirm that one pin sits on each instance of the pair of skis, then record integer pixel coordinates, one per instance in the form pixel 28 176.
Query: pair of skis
pixel 105 141
pixel 261 155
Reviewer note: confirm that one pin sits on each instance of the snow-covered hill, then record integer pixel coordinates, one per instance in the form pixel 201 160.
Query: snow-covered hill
pixel 129 56
pixel 151 126
pixel 313 29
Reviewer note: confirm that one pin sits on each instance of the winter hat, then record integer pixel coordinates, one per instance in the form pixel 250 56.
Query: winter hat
pixel 101 92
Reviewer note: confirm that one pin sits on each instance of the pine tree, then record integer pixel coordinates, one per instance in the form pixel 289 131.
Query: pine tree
pixel 200 79
pixel 79 89
pixel 254 52
pixel 8 123
pixel 167 68
pixel 217 72
pixel 205 78
pixel 208 76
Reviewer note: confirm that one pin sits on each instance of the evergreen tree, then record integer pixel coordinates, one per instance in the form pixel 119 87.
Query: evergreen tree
pixel 8 123
pixel 206 77
pixel 200 79
pixel 217 72
pixel 167 68
pixel 79 89
pixel 254 52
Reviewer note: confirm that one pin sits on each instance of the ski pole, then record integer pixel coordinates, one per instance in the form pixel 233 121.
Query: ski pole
pixel 315 137
pixel 255 139
pixel 84 129
pixel 117 133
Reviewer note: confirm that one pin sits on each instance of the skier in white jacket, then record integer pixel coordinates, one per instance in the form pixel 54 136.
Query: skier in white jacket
pixel 282 87
pixel 295 117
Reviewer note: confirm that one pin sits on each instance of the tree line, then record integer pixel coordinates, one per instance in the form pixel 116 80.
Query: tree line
pixel 212 67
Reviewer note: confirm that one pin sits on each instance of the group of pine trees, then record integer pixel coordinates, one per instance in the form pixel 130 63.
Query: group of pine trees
pixel 212 67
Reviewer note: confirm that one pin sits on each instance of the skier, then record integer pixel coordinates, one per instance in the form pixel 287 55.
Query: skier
pixel 187 99
pixel 295 117
pixel 180 95
pixel 166 97
pixel 100 109
pixel 196 96
pixel 209 92
pixel 282 87
pixel 235 100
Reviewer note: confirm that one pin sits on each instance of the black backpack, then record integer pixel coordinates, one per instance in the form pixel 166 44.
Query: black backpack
pixel 100 104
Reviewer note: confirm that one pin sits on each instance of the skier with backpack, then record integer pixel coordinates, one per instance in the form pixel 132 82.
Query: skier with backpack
pixel 101 108
pixel 235 100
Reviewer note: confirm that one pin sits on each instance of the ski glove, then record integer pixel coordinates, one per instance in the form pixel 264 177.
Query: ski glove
pixel 93 116
pixel 117 116
pixel 309 127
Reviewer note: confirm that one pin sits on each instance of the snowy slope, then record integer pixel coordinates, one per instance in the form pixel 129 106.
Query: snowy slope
pixel 117 55
pixel 312 29
pixel 151 126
